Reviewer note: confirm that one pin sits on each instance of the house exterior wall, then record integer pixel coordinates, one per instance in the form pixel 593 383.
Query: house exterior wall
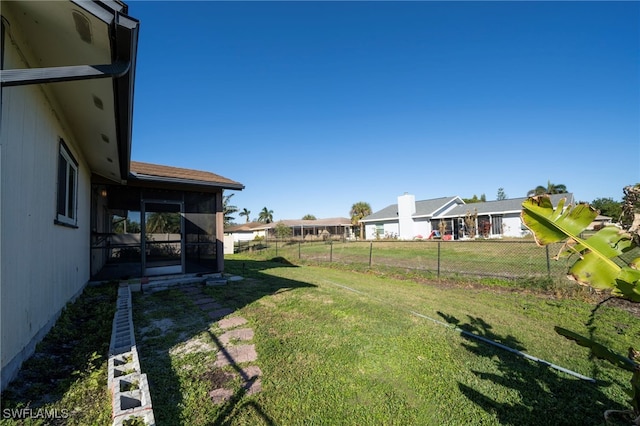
pixel 406 210
pixel 43 265
pixel 388 228
pixel 248 236
pixel 512 226
pixel 422 227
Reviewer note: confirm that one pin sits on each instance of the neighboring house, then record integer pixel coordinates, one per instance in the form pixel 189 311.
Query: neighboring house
pixel 66 180
pixel 318 229
pixel 410 219
pixel 599 222
pixel 248 231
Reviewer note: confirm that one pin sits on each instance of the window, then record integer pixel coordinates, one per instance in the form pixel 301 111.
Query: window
pixel 496 225
pixel 67 187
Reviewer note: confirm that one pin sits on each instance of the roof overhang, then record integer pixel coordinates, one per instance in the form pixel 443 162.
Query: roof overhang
pixel 83 54
pixel 137 179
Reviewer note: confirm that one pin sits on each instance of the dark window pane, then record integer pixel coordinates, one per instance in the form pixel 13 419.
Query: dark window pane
pixel 62 184
pixel 71 195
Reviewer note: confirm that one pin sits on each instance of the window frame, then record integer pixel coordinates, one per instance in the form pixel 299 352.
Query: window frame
pixel 67 208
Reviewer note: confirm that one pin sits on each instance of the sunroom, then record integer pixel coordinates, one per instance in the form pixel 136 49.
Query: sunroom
pixel 164 220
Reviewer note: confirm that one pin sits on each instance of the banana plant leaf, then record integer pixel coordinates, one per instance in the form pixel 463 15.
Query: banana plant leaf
pixel 595 266
pixel 551 225
pixel 611 241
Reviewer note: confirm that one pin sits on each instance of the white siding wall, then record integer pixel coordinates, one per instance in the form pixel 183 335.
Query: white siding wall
pixel 388 228
pixel 512 226
pixel 247 236
pixel 422 227
pixel 42 265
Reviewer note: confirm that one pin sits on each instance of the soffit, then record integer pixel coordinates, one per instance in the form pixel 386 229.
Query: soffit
pixel 53 32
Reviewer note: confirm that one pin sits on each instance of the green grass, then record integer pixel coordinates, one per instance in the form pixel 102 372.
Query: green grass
pixel 478 258
pixel 67 375
pixel 342 347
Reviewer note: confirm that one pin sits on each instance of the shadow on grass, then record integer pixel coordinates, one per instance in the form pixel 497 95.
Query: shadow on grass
pixel 544 396
pixel 169 321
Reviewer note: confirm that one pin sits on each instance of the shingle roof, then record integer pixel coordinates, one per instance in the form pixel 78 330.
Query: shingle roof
pixel 147 171
pixel 333 221
pixel 248 227
pixel 512 205
pixel 430 207
pixel 423 208
pixel 318 223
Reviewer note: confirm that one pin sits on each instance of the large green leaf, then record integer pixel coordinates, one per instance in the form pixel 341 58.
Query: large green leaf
pixel 596 271
pixel 611 241
pixel 551 225
pixel 594 266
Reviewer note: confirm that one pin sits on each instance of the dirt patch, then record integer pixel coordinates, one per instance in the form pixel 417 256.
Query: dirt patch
pixel 217 378
pixel 192 346
pixel 632 307
pixel 162 325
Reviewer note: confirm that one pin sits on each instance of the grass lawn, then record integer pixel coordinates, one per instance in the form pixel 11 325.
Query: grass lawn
pixel 67 375
pixel 499 258
pixel 338 346
pixel 343 347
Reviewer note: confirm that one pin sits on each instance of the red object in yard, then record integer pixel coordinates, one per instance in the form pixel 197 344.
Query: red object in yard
pixel 447 237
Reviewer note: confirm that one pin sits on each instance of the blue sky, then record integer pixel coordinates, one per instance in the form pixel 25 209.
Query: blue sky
pixel 314 106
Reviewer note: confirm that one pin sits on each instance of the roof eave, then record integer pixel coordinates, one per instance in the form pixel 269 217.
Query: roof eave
pixel 126 45
pixel 135 177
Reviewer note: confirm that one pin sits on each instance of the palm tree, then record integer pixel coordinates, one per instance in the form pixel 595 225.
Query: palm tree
pixel 359 211
pixel 228 210
pixel 265 216
pixel 162 223
pixel 245 213
pixel 551 188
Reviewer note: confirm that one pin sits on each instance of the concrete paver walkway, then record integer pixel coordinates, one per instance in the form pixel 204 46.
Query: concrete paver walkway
pixel 233 344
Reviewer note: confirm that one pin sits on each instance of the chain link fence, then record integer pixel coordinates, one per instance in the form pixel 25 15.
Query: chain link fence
pixel 480 258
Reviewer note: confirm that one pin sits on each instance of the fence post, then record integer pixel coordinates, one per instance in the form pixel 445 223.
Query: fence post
pixel 276 248
pixel 548 262
pixel 438 259
pixel 370 252
pixel 330 251
pixel 299 250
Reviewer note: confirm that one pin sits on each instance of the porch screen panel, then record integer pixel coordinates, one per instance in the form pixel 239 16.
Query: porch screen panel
pixel 200 229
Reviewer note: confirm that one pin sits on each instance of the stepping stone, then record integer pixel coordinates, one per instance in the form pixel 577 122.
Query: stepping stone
pixel 203 300
pixel 219 313
pixel 220 395
pixel 237 334
pixel 231 322
pixel 191 290
pixel 250 373
pixel 236 355
pixel 210 306
pixel 253 386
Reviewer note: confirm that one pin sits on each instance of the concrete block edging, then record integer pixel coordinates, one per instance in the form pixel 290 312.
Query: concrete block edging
pixel 128 386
